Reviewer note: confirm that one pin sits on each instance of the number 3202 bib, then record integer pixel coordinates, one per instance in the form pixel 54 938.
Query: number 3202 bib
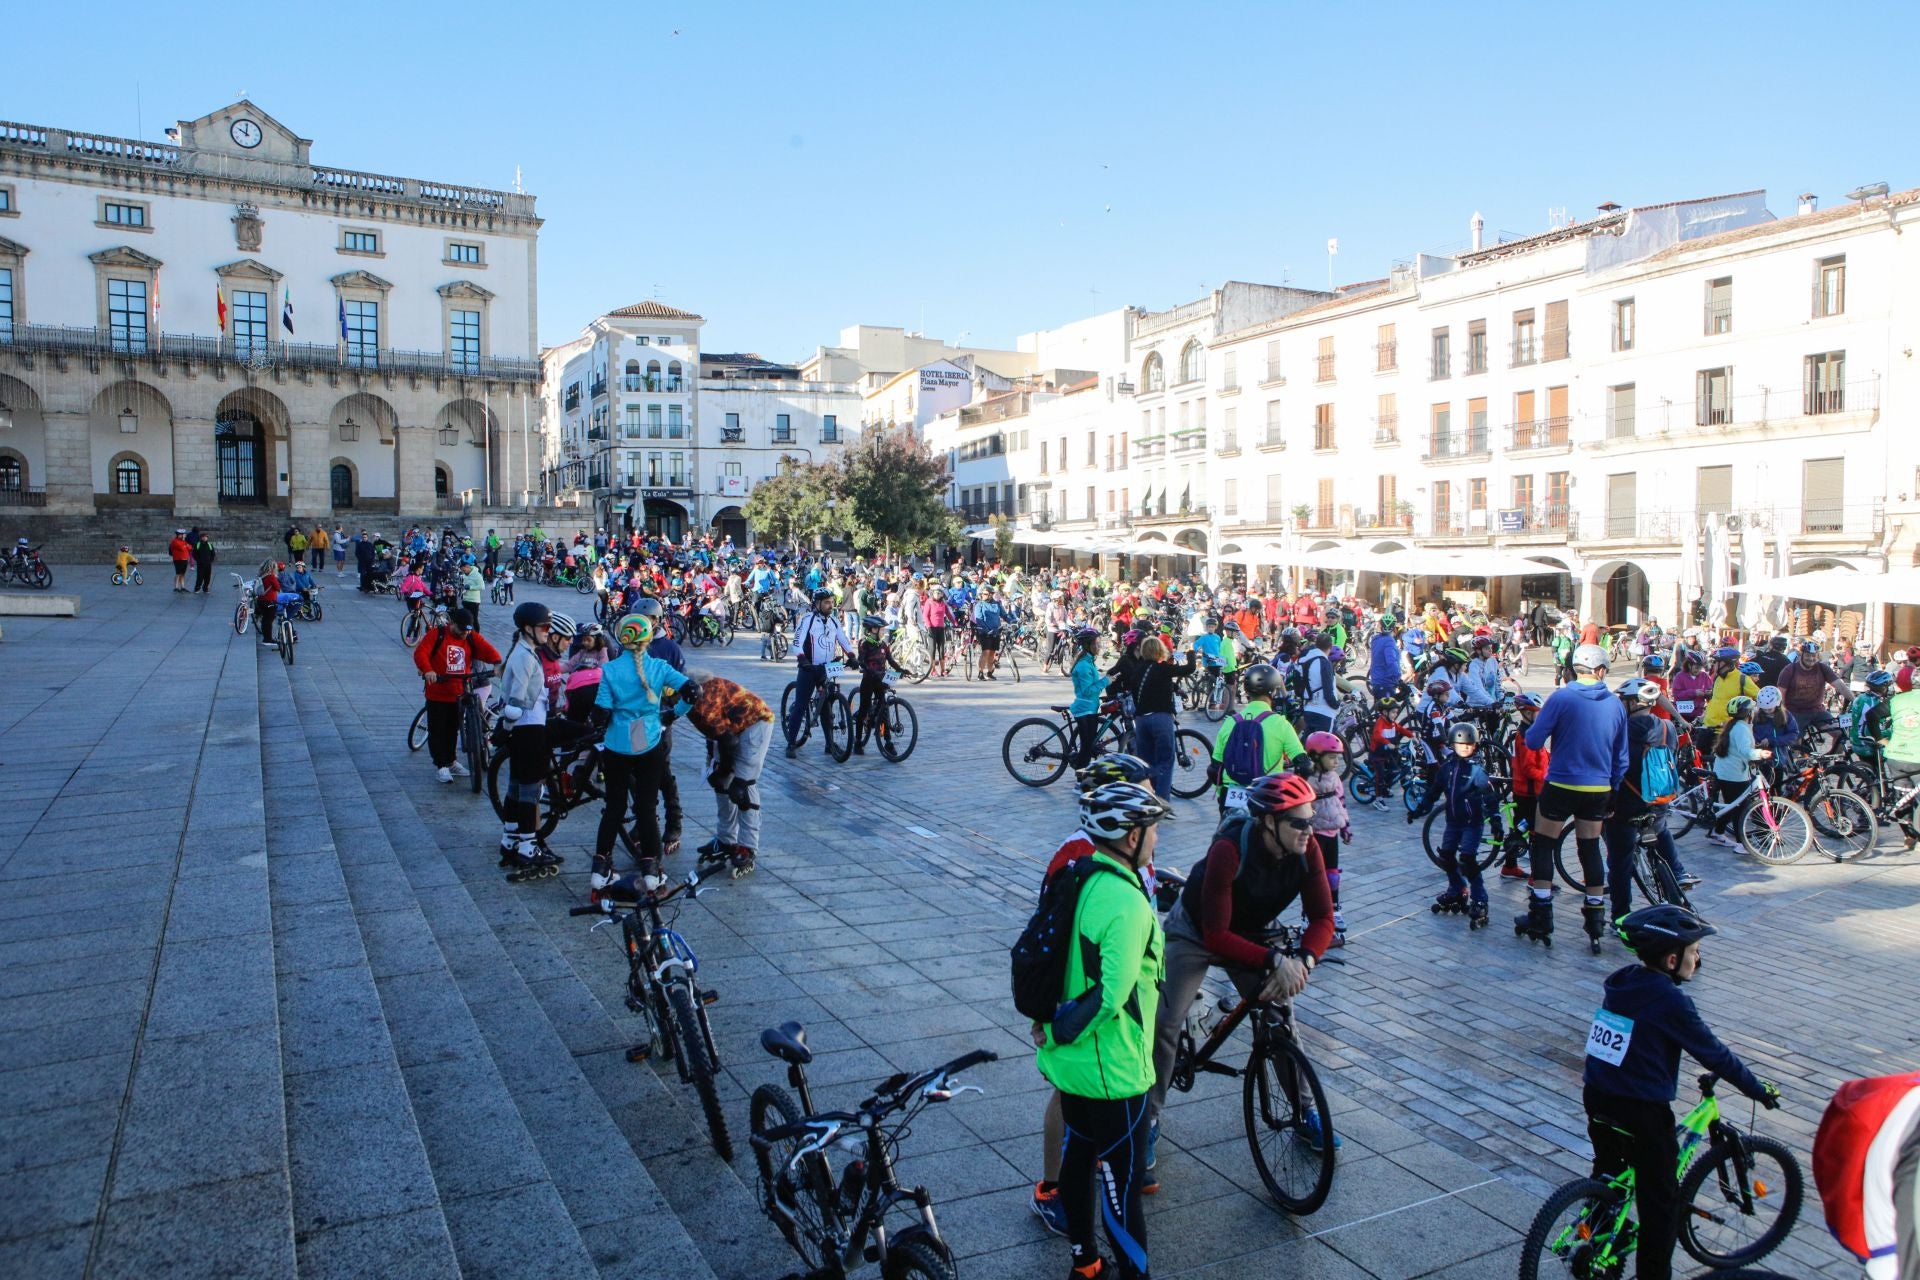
pixel 1609 1037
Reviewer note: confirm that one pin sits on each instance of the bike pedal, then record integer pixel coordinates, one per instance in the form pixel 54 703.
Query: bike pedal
pixel 640 1053
pixel 709 997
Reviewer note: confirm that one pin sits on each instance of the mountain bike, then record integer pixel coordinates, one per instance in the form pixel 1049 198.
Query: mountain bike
pixel 662 987
pixel 1844 824
pixel 477 721
pixel 1009 658
pixel 501 592
pixel 827 709
pixel 829 1220
pixel 421 613
pixel 1741 1193
pixel 913 652
pixel 283 634
pixel 890 724
pixel 705 628
pixel 1037 751
pixel 1220 691
pixel 1289 1127
pixel 774 640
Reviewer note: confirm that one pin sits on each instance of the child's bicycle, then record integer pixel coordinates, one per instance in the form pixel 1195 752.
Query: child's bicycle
pixel 131 577
pixel 1739 1198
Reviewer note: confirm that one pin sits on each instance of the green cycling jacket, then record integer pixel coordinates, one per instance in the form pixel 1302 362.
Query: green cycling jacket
pixel 1119 945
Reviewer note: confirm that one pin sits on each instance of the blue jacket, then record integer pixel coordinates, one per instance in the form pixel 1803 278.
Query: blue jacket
pixel 1088 684
pixel 987 617
pixel 1588 729
pixel 1658 1020
pixel 1383 664
pixel 1461 784
pixel 635 728
pixel 667 649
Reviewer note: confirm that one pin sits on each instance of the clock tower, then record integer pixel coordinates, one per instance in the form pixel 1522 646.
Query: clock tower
pixel 239 138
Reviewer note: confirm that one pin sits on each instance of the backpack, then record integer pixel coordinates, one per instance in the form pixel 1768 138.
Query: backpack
pixel 1040 953
pixel 1659 780
pixel 1857 716
pixel 1245 755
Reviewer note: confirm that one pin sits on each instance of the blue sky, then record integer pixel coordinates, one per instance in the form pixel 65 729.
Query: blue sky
pixel 990 169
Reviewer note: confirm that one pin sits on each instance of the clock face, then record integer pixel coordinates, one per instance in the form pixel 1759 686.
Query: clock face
pixel 246 133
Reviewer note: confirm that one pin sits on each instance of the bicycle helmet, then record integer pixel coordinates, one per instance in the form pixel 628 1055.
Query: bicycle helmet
pixel 1234 627
pixel 467 559
pixel 1481 638
pixel 1439 684
pixel 1088 638
pixel 1112 809
pixel 873 622
pixel 1114 766
pixel 1726 653
pixel 648 607
pixel 1654 664
pixel 1769 698
pixel 1660 930
pixel 1879 679
pixel 1468 733
pixel 531 614
pixel 1528 701
pixel 1739 706
pixel 1778 644
pixel 1277 792
pixel 1589 657
pixel 461 618
pixel 562 627
pixel 1454 653
pixel 635 631
pixel 822 594
pixel 1321 740
pixel 1752 669
pixel 1644 692
pixel 1260 680
pixel 1130 639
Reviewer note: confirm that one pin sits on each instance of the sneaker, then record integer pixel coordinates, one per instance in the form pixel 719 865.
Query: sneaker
pixel 792 751
pixel 443 774
pixel 1382 806
pixel 1512 871
pixel 1050 1208
pixel 1095 1270
pixel 1723 840
pixel 1339 921
pixel 1311 1132
pixel 459 770
pixel 1149 1183
pixel 1687 880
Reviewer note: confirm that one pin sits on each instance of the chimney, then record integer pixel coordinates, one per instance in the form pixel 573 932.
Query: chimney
pixel 1809 202
pixel 1478 225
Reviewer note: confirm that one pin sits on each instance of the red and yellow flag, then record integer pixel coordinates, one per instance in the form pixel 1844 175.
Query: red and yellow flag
pixel 220 305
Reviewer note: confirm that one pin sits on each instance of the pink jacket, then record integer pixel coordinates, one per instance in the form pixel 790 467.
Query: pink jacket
pixel 1329 804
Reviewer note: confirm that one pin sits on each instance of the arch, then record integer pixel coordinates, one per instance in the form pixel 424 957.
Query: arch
pixel 633 368
pixel 1193 361
pixel 727 513
pixel 469 417
pixel 1617 593
pixel 674 370
pixel 142 399
pixel 249 425
pixel 1192 539
pixel 1551 559
pixel 1325 544
pixel 1150 535
pixel 362 409
pixel 127 475
pixel 17 397
pixel 343 482
pixel 665 517
pixel 15 471
pixel 1228 548
pixel 653 376
pixel 1381 548
pixel 1153 373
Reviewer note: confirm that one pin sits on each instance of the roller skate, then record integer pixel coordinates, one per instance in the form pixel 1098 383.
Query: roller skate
pixel 741 862
pixel 1537 923
pixel 1476 914
pixel 1593 918
pixel 715 854
pixel 532 861
pixel 1450 903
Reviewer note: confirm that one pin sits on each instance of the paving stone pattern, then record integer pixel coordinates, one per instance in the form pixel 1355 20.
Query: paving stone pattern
pixel 272 1010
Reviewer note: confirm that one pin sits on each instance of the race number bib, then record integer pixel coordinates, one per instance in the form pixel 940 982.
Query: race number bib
pixel 1236 799
pixel 1685 706
pixel 1609 1037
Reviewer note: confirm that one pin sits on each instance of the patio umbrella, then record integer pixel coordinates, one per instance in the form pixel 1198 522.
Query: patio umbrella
pixel 1691 578
pixel 1782 567
pixel 1753 567
pixel 1719 570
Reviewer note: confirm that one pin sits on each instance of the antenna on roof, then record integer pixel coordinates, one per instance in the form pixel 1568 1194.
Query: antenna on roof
pixel 1871 191
pixel 1556 217
pixel 517 188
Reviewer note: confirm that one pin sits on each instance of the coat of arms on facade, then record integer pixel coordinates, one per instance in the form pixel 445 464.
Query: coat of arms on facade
pixel 246 228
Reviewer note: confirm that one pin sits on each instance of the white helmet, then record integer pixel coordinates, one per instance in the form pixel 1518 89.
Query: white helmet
pixel 561 627
pixel 1109 812
pixel 1769 698
pixel 1589 657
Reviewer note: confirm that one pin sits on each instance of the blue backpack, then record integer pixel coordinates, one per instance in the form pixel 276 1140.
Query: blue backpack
pixel 1245 757
pixel 1659 780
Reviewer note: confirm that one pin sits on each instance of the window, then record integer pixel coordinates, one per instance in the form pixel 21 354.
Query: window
pixel 1622 504
pixel 731 470
pixel 1274 438
pixel 127 314
pixel 463 340
pixel 1386 419
pixel 676 429
pixel 12 477
pixel 1043 457
pixel 1477 494
pixel 1825 383
pixel 1323 361
pixel 1477 426
pixel 247 322
pixel 117 214
pixel 1230 498
pixel 830 429
pixel 1830 287
pixel 1153 375
pixel 1230 431
pixel 730 432
pixel 126 476
pixel 1193 362
pixel 1440 431
pixel 6 200
pixel 640 340
pixel 463 253
pixel 655 429
pixel 1523 492
pixel 1323 516
pixel 1524 350
pixel 1091 509
pixel 1092 446
pixel 1387 496
pixel 6 304
pixel 1323 427
pixel 656 469
pixel 1230 371
pixel 1620 411
pixel 1713 397
pixel 1556 338
pixel 1719 318
pixel 1624 320
pixel 1273 361
pixel 1821 502
pixel 1440 361
pixel 1062 455
pixel 1713 490
pixel 360 242
pixel 1477 347
pixel 1444 520
pixel 363 335
pixel 631 428
pixel 1559 486
pixel 677 470
pixel 1276 509
pixel 1386 350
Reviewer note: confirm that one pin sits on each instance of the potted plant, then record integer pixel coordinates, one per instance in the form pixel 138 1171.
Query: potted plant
pixel 1403 512
pixel 1302 514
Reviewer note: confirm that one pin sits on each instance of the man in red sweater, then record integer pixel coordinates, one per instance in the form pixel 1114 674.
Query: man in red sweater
pixel 445 657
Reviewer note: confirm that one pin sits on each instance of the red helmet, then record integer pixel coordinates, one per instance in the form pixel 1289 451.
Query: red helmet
pixel 1277 792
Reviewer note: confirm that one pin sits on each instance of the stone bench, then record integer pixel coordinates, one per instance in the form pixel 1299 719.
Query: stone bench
pixel 37 604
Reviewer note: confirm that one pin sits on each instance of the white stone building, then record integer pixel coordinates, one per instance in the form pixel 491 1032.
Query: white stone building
pixel 215 325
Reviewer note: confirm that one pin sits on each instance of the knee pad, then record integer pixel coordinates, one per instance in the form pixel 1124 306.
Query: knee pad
pixel 1540 856
pixel 1591 865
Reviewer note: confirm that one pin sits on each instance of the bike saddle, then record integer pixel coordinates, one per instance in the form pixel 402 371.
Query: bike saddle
pixel 788 1041
pixel 1062 710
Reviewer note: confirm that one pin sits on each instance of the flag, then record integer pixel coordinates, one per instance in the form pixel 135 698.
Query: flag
pixel 286 310
pixel 220 306
pixel 156 299
pixel 343 319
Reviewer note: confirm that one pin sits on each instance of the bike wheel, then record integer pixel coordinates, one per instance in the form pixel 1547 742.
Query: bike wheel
pixel 497 775
pixel 285 638
pixel 1570 873
pixel 1192 753
pixel 1740 1204
pixel 1783 839
pixel 836 727
pixel 696 636
pixel 1573 1233
pixel 699 1067
pixel 242 619
pixel 473 730
pixel 1036 751
pixel 118 580
pixel 1011 663
pixel 1285 1110
pixel 1843 823
pixel 1217 700
pixel 417 731
pixel 899 729
pixel 1360 783
pixel 749 617
pixel 412 627
pixel 801 1200
pixel 917 1258
pixel 313 611
pixel 42 577
pixel 806 722
pixel 584 584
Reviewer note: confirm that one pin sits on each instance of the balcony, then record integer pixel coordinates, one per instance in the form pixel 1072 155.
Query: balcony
pixel 1146 448
pixel 572 399
pixel 177 348
pixel 733 435
pixel 596 433
pixel 1393 522
pixel 1324 440
pixel 1193 442
pixel 1386 429
pixel 1229 446
pixel 1386 357
pixel 598 389
pixel 1845 523
pixel 1525 351
pixel 782 436
pixel 1273 441
pixel 1548 517
pixel 1541 436
pixel 1439 368
pixel 28 497
pixel 1116 520
pixel 1468 447
pixel 651 382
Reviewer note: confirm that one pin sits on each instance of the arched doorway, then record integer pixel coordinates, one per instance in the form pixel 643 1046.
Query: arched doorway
pixel 245 426
pixel 340 481
pixel 1620 594
pixel 666 518
pixel 731 522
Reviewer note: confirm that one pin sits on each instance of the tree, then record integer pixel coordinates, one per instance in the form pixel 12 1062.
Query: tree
pixel 1002 539
pixel 795 505
pixel 893 495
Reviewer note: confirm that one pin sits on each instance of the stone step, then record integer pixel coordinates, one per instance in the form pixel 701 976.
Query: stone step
pixel 575 977
pixel 430 921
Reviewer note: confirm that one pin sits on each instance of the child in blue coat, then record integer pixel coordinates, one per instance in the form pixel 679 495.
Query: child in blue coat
pixel 1460 784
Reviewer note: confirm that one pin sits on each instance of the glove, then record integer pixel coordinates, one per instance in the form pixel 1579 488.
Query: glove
pixel 718 780
pixel 688 693
pixel 1771 1098
pixel 667 716
pixel 1287 979
pixel 740 791
pixel 1346 835
pixel 510 713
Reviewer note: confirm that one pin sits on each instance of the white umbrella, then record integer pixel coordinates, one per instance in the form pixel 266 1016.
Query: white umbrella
pixel 1719 570
pixel 1691 582
pixel 1782 567
pixel 1753 567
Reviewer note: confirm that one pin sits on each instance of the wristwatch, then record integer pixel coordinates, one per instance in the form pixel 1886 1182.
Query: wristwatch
pixel 1306 958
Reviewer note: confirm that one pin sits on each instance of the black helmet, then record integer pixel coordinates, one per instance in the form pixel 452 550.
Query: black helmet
pixel 531 614
pixel 823 594
pixel 1659 930
pixel 873 622
pixel 1464 732
pixel 1114 766
pixel 1260 680
pixel 1778 644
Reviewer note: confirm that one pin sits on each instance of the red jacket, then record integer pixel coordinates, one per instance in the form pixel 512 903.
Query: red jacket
pixel 179 550
pixel 1529 767
pixel 1304 614
pixel 451 658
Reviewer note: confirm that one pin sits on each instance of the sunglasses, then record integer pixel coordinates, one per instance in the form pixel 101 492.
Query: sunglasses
pixel 1298 824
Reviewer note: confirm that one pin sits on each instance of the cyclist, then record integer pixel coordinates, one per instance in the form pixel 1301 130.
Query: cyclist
pixel 1383 659
pixel 1480 684
pixel 1326 759
pixel 1647 730
pixel 1088 686
pixel 633 750
pixel 1258 863
pixel 523 702
pixel 1633 1068
pixel 445 657
pixel 1529 777
pixel 1804 683
pixel 266 595
pixel 1732 757
pixel 875 657
pixel 816 640
pixel 1319 685
pixel 1773 660
pixel 1106 1070
pixel 1587 727
pixel 473 587
pixel 988 619
pixel 1460 785
pixel 1731 680
pixel 1253 741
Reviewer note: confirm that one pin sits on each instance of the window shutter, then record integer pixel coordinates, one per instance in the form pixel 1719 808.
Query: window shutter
pixel 1274 508
pixel 1556 330
pixel 1823 491
pixel 1621 491
pixel 1713 490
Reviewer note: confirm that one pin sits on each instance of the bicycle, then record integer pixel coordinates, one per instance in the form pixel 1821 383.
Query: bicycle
pixel 243 611
pixel 1587 1226
pixel 828 709
pixel 774 641
pixel 828 1221
pixel 891 724
pixel 310 608
pixel 661 987
pixel 1288 1124
pixel 914 653
pixel 1219 696
pixel 1037 751
pixel 501 591
pixel 420 614
pixel 1009 657
pixel 27 568
pixel 709 629
pixel 283 634
pixel 131 578
pixel 477 721
pixel 1773 829
pixel 1844 824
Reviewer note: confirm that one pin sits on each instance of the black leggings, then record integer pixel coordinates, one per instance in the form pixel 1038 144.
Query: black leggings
pixel 1113 1131
pixel 1630 1132
pixel 1085 730
pixel 632 781
pixel 1726 793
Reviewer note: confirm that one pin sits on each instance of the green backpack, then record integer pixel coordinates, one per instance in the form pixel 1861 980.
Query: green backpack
pixel 1857 736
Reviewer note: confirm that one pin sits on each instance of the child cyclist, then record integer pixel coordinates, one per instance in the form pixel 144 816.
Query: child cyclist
pixel 1382 747
pixel 1633 1067
pixel 123 562
pixel 1529 776
pixel 1460 785
pixel 875 656
pixel 1331 825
